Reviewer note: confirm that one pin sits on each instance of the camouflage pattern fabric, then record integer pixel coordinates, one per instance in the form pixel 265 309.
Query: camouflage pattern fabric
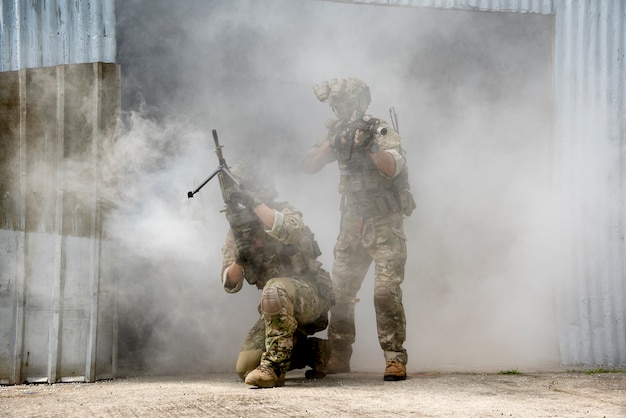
pixel 379 239
pixel 301 305
pixel 373 203
pixel 306 350
pixel 371 230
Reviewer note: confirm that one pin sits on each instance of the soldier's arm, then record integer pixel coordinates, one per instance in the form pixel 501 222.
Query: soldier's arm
pixel 266 214
pixel 389 160
pixel 385 162
pixel 233 278
pixel 232 273
pixel 318 157
pixel 288 226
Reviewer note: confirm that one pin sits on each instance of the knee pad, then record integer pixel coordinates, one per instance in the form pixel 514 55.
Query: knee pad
pixel 270 301
pixel 383 298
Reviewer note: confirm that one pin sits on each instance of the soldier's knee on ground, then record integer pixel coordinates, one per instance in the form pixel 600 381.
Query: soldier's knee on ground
pixel 247 361
pixel 270 301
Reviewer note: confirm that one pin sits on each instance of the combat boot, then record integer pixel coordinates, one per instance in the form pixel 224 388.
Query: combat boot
pixel 281 380
pixel 320 350
pixel 264 377
pixel 395 370
pixel 337 364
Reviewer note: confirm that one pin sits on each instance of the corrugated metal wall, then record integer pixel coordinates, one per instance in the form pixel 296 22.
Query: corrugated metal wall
pixel 57 270
pixel 590 178
pixel 57 300
pixel 517 6
pixel 59 103
pixel 43 33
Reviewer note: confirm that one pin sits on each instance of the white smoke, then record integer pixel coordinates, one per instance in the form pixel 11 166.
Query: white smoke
pixel 472 93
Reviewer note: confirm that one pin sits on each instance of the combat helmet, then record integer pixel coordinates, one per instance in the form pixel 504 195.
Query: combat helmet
pixel 348 97
pixel 254 179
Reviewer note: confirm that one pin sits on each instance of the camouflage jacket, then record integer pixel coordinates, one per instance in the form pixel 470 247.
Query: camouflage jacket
pixel 288 249
pixel 365 190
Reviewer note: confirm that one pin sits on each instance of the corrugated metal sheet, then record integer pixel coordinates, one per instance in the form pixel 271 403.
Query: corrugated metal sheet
pixel 40 33
pixel 590 178
pixel 517 6
pixel 57 270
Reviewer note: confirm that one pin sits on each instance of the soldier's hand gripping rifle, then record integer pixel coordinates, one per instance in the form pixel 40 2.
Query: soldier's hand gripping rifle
pixel 238 212
pixel 244 223
pixel 344 134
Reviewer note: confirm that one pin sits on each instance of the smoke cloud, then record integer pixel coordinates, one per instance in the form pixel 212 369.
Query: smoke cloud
pixel 472 91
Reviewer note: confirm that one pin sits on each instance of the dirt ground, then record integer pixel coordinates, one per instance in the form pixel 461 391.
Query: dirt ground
pixel 542 394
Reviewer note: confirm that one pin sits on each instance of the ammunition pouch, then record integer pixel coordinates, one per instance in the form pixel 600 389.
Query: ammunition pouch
pixel 407 203
pixel 405 198
pixel 371 194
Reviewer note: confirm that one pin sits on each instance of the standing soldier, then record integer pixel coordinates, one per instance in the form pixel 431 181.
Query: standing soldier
pixel 374 199
pixel 277 253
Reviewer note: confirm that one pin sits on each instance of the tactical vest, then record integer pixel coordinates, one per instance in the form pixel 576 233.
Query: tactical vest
pixel 273 258
pixel 367 192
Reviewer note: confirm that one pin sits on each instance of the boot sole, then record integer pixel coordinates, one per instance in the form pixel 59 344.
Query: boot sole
pixel 314 374
pixel 393 378
pixel 263 384
pixel 338 371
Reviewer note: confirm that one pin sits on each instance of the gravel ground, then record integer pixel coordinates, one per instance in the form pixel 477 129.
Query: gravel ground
pixel 542 394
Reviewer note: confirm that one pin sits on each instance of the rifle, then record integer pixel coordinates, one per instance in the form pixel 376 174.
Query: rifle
pixel 241 219
pixel 347 130
pixel 394 118
pixel 371 126
pixel 222 171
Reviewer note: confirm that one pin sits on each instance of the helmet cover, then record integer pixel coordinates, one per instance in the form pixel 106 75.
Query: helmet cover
pixel 345 96
pixel 254 180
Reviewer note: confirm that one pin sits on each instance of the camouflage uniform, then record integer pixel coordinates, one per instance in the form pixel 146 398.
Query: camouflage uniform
pixel 375 196
pixel 373 207
pixel 296 293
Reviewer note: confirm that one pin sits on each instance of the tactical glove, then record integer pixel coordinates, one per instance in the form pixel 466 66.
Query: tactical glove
pixel 243 251
pixel 342 140
pixel 239 196
pixel 363 139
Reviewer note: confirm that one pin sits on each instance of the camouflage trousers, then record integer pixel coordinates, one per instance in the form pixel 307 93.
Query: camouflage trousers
pixel 298 310
pixel 382 240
